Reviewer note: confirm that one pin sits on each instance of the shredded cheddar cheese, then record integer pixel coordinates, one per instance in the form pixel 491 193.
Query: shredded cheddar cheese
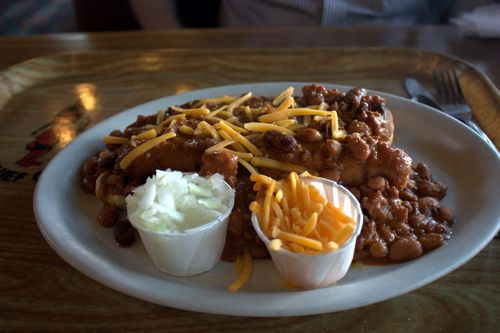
pixel 284 94
pixel 263 127
pixel 236 145
pixel 220 145
pixel 195 111
pixel 285 114
pixel 286 123
pixel 212 131
pixel 245 156
pixel 245 272
pixel 141 149
pixel 278 165
pixel 160 116
pixel 340 134
pixel 297 217
pixel 114 140
pixel 146 135
pixel 247 166
pixel 241 139
pixel 287 103
pixel 239 101
pixel 233 126
pixel 335 123
pixel 167 121
pixel 215 100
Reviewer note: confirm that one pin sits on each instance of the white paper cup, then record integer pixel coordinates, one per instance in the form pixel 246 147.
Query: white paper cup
pixel 317 271
pixel 189 252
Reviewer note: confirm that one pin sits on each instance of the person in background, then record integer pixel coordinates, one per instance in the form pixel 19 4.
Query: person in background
pixel 162 14
pixel 52 16
pixel 23 17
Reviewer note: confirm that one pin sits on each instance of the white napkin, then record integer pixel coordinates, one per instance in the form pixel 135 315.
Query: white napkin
pixel 483 21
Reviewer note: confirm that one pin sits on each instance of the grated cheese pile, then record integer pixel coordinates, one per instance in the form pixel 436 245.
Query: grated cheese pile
pixel 171 201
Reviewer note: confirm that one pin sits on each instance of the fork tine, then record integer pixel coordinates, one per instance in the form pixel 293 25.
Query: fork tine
pixel 459 95
pixel 451 86
pixel 438 82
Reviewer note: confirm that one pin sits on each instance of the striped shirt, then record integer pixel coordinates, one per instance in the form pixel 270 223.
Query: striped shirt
pixel 273 13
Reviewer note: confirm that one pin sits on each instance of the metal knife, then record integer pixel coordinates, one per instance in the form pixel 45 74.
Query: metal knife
pixel 419 93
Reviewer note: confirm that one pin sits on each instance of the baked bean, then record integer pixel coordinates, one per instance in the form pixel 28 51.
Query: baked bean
pixel 314 94
pixel 363 116
pixel 363 107
pixel 309 135
pixel 386 233
pixel 332 174
pixel 365 190
pixel 90 167
pixel 407 205
pixel 88 183
pixel 377 183
pixel 280 140
pixel 107 216
pixel 417 220
pixel 424 171
pixel 116 132
pixel 332 148
pixel 440 228
pixel 444 214
pixel 370 233
pixel 412 185
pixel 124 233
pixel 358 147
pixel 399 214
pixel 431 241
pixel 431 189
pixel 405 249
pixel 433 226
pixel 303 157
pixel 360 242
pixel 106 159
pixel 428 205
pixel 419 231
pixel 408 195
pixel 379 249
pixel 355 192
pixel 393 192
pixel 113 180
pixel 403 230
pixel 353 96
pixel 357 126
pixel 379 107
pixel 377 102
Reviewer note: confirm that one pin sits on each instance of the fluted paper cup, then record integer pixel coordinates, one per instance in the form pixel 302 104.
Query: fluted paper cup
pixel 189 252
pixel 320 270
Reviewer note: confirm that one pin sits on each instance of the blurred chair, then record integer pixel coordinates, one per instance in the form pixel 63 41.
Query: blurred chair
pixel 115 15
pixel 109 15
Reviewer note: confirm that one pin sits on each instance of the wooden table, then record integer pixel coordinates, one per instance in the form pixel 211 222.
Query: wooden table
pixel 40 292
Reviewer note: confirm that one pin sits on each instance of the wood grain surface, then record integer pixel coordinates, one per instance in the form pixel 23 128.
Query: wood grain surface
pixel 40 292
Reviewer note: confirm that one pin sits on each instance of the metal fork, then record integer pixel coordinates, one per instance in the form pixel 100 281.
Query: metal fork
pixel 451 99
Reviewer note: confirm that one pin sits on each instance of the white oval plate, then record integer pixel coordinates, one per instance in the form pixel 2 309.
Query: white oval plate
pixel 457 156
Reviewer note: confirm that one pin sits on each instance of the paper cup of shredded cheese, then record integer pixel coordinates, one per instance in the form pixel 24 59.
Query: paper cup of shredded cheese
pixel 310 228
pixel 182 219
